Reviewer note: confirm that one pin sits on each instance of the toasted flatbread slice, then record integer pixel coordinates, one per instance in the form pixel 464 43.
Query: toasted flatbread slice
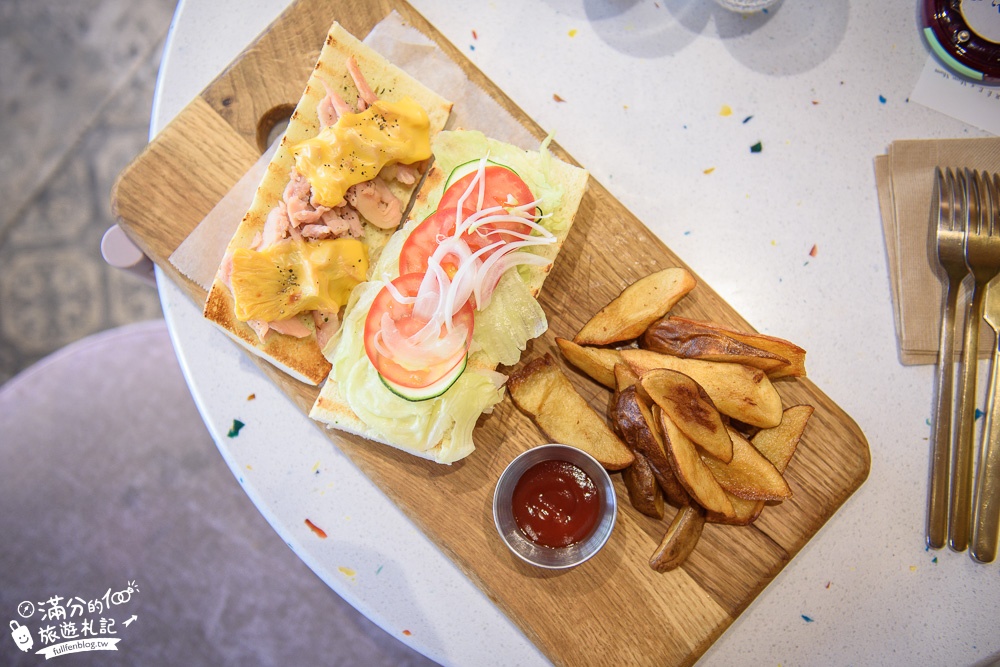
pixel 356 401
pixel 302 358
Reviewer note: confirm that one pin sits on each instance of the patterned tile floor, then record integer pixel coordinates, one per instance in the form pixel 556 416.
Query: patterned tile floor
pixel 76 88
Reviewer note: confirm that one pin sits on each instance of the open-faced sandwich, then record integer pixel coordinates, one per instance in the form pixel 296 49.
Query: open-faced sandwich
pixel 353 154
pixel 452 296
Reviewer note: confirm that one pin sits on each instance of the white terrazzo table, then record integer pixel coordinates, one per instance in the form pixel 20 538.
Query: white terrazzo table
pixel 662 102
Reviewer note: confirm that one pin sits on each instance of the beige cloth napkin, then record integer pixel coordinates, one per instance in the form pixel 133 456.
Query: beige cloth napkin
pixel 905 181
pixel 199 255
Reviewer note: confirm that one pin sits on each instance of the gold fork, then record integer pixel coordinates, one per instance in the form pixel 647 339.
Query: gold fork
pixel 982 254
pixel 951 256
pixel 986 505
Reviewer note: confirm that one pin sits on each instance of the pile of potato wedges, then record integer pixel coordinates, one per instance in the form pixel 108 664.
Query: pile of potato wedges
pixel 693 421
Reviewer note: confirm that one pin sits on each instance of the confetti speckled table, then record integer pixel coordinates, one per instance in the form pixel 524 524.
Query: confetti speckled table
pixel 745 143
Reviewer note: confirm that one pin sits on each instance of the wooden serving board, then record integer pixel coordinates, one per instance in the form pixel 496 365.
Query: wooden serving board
pixel 614 609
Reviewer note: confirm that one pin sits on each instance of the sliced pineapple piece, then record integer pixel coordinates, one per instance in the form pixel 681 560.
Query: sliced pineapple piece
pixel 295 276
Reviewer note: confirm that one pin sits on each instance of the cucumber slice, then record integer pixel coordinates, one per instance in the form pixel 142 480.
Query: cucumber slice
pixel 431 391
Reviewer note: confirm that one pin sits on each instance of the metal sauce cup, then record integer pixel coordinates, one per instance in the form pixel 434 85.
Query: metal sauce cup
pixel 548 557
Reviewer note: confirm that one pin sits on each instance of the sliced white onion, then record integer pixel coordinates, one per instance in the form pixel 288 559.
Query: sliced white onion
pixel 412 355
pixel 490 276
pixel 517 214
pixel 439 298
pixel 430 289
pixel 509 248
pixel 505 217
pixel 431 328
pixel 478 179
pixel 396 294
pixel 450 245
pixel 464 282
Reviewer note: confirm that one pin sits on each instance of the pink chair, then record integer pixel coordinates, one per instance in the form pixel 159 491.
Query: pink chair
pixel 108 476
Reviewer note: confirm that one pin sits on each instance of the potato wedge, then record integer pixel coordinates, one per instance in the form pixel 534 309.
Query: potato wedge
pixel 780 347
pixel 638 428
pixel 749 475
pixel 692 340
pixel 639 305
pixel 692 472
pixel 745 512
pixel 624 377
pixel 691 409
pixel 738 391
pixel 673 490
pixel 532 384
pixel 680 539
pixel 777 444
pixel 596 362
pixel 644 492
pixel 544 393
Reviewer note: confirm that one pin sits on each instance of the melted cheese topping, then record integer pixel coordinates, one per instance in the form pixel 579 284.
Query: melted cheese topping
pixel 359 145
pixel 294 276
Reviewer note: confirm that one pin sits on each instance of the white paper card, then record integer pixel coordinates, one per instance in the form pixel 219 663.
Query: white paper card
pixel 968 101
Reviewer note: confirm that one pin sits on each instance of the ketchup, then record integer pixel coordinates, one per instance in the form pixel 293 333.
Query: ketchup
pixel 556 504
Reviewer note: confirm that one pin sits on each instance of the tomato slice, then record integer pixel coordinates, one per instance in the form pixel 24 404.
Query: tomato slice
pixel 438 362
pixel 424 240
pixel 503 188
